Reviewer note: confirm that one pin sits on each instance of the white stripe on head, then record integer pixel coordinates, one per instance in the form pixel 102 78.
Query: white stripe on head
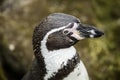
pixel 54 59
pixel 43 42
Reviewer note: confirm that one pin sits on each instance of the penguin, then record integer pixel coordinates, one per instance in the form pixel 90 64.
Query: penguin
pixel 53 44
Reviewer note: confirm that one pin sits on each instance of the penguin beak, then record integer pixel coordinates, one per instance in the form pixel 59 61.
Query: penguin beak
pixel 78 31
pixel 87 31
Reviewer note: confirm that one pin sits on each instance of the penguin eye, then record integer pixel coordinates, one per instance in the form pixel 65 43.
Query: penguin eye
pixel 65 32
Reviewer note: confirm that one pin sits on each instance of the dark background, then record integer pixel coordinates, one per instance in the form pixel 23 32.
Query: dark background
pixel 19 17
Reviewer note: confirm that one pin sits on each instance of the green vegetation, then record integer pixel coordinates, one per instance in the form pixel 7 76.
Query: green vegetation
pixel 18 19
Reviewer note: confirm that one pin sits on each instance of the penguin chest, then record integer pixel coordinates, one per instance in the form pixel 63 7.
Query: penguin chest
pixel 79 73
pixel 56 60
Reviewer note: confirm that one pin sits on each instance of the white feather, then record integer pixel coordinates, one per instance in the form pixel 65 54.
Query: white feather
pixel 79 73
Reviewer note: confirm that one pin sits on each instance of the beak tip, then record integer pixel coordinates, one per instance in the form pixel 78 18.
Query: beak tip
pixel 99 34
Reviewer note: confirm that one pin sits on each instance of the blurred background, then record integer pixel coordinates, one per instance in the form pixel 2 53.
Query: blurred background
pixel 19 17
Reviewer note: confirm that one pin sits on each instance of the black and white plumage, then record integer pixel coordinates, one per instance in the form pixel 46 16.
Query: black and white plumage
pixel 55 56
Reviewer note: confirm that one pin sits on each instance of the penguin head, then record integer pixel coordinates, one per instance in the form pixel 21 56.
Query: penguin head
pixel 64 31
